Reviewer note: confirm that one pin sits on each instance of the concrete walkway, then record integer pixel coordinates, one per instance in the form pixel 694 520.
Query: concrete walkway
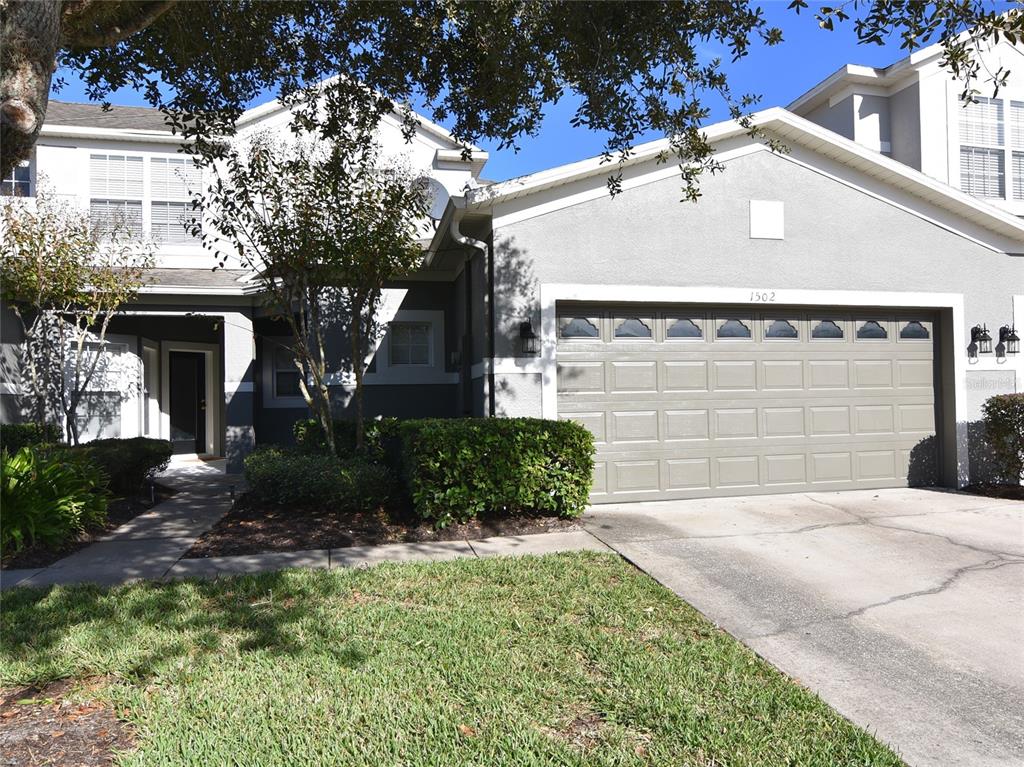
pixel 151 546
pixel 151 543
pixel 903 609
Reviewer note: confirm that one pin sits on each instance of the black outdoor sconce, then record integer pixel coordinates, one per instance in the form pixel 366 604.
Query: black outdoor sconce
pixel 527 337
pixel 1009 341
pixel 981 341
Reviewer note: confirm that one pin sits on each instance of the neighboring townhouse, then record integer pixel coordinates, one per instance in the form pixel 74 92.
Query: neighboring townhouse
pixel 198 359
pixel 812 321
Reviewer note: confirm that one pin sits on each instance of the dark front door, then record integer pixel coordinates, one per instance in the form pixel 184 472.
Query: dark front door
pixel 187 402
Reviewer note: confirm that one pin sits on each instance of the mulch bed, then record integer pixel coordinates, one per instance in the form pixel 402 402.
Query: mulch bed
pixel 1008 492
pixel 40 726
pixel 251 528
pixel 119 511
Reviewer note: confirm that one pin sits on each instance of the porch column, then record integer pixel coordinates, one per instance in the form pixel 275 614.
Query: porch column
pixel 239 387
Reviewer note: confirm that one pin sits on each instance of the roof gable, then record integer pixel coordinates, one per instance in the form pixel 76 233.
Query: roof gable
pixel 731 137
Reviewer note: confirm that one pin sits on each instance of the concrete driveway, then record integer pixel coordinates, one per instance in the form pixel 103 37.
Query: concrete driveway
pixel 904 609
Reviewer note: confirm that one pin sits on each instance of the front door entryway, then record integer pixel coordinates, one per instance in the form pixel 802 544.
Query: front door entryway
pixel 187 376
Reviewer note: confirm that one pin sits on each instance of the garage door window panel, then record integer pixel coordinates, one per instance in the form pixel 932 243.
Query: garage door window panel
pixel 582 328
pixel 872 330
pixel 828 330
pixel 633 329
pixel 915 330
pixel 684 328
pixel 781 329
pixel 733 329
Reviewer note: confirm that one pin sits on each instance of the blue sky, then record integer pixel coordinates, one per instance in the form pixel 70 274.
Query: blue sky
pixel 779 73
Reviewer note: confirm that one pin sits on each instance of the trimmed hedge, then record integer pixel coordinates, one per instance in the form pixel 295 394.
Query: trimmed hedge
pixel 128 462
pixel 1004 427
pixel 289 476
pixel 48 496
pixel 15 436
pixel 309 436
pixel 456 469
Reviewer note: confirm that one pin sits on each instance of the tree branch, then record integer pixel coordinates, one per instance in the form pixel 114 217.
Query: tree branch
pixel 93 25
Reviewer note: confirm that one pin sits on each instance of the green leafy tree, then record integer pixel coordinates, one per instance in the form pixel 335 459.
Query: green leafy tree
pixel 488 68
pixel 65 279
pixel 324 225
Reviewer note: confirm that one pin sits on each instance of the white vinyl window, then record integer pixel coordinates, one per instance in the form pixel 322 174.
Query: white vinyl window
pixel 173 181
pixel 409 343
pixel 18 182
pixel 981 171
pixel 286 375
pixel 1017 171
pixel 981 123
pixel 115 191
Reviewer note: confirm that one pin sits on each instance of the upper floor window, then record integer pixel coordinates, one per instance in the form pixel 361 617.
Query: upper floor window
pixel 115 191
pixel 173 181
pixel 18 182
pixel 992 148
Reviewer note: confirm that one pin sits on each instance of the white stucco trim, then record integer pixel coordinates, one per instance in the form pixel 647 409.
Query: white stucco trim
pixel 552 293
pixel 212 375
pixel 505 366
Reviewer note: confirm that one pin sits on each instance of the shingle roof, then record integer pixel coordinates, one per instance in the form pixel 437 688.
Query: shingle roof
pixel 93 116
pixel 195 278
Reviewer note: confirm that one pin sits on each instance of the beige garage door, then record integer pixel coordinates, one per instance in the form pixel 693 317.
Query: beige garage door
pixel 689 401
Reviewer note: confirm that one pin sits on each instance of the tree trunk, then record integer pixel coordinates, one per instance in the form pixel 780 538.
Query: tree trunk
pixel 355 334
pixel 30 35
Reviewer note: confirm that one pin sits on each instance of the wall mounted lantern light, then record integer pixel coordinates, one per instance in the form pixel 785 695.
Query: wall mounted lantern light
pixel 1009 341
pixel 527 337
pixel 981 341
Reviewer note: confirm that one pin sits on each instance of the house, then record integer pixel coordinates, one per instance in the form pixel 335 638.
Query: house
pixel 817 319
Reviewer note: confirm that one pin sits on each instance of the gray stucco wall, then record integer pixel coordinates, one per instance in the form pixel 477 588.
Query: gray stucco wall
pixel 905 123
pixel 838 119
pixel 837 237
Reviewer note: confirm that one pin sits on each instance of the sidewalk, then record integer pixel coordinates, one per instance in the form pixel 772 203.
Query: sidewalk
pixel 152 545
pixel 148 545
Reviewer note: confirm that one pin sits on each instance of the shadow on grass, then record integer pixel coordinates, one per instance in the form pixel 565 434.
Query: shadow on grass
pixel 132 630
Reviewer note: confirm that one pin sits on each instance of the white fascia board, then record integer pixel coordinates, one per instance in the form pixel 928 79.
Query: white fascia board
pixel 192 290
pixel 790 128
pixel 114 134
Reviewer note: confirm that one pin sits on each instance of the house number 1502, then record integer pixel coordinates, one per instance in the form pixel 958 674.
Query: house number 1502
pixel 762 296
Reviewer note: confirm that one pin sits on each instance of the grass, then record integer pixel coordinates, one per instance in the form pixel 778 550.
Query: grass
pixel 572 659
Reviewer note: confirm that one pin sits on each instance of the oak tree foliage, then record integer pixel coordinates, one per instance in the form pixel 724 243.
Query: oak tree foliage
pixel 65 277
pixel 487 68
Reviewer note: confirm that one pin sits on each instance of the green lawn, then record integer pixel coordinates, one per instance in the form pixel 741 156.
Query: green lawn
pixel 573 659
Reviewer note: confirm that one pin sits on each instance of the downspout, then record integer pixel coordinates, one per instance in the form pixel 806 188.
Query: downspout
pixel 478 245
pixel 491 405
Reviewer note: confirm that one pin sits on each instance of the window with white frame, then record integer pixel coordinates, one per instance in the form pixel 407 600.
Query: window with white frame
pixel 173 181
pixel 286 375
pixel 992 148
pixel 18 183
pixel 115 191
pixel 409 343
pixel 1017 148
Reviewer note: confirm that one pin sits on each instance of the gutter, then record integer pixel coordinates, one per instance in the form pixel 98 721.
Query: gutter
pixel 458 207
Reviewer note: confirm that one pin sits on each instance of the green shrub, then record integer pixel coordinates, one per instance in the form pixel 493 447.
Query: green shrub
pixel 1004 427
pixel 309 436
pixel 455 469
pixel 288 476
pixel 48 496
pixel 128 462
pixel 15 436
